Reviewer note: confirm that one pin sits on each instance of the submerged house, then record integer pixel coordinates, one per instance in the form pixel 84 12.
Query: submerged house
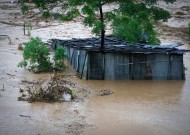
pixel 123 61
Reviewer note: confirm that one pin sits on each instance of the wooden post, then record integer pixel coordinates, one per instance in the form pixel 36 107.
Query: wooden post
pixel 24 27
pixel 3 88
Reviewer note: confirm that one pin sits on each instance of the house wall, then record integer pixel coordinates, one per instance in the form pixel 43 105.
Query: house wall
pixel 177 67
pixel 126 66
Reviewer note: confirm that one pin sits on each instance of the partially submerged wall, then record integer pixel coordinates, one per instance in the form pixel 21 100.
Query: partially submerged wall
pixel 122 61
pixel 126 66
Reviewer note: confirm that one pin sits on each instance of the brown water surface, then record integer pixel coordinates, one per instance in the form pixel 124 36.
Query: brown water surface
pixel 142 107
pixel 135 107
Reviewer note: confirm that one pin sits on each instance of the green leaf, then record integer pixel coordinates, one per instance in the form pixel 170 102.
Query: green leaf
pixel 36 56
pixel 46 14
pixel 98 26
pixel 59 58
pixel 24 9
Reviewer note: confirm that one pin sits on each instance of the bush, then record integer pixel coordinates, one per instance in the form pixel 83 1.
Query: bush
pixel 59 58
pixel 36 57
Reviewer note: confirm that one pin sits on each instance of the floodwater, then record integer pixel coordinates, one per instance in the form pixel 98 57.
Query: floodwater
pixel 135 107
pixel 142 107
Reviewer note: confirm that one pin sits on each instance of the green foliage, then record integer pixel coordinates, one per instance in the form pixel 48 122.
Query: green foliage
pixel 23 63
pixel 134 30
pixel 135 22
pixel 73 93
pixel 159 13
pixel 59 58
pixel 36 57
pixel 24 9
pixel 70 15
pixel 131 20
pixel 46 14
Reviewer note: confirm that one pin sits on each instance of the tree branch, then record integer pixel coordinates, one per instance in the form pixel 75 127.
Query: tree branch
pixel 104 3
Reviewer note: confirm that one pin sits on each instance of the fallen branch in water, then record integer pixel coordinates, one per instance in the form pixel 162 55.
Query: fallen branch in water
pixel 11 23
pixel 25 116
pixel 104 92
pixel 5 36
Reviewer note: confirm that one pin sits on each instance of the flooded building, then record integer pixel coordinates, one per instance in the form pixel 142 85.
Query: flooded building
pixel 121 60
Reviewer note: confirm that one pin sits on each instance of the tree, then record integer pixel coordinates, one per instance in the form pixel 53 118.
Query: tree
pixel 131 19
pixel 136 21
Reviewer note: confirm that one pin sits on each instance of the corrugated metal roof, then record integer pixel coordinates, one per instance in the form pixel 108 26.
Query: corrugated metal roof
pixel 113 44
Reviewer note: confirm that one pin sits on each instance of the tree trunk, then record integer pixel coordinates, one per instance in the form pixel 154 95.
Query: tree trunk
pixel 102 30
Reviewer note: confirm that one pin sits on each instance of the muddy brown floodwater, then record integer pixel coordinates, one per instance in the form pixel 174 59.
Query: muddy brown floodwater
pixel 142 107
pixel 134 107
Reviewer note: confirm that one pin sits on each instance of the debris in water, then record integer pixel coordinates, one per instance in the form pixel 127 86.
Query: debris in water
pixel 75 128
pixel 11 74
pixel 76 111
pixel 49 91
pixel 20 47
pixel 104 92
pixel 4 37
pixel 21 90
pixel 3 89
pixel 25 116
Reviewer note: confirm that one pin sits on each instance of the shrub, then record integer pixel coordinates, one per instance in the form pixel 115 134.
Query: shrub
pixel 36 57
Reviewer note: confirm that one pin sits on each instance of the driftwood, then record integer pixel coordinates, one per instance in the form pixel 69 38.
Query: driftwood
pixel 26 116
pixel 6 36
pixel 104 92
pixel 3 88
pixel 20 47
pixel 11 23
pixel 49 91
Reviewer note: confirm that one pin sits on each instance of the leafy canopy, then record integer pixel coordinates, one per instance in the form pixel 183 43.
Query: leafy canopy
pixel 133 20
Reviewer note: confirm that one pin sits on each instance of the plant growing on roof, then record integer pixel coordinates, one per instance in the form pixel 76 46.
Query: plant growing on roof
pixel 132 20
